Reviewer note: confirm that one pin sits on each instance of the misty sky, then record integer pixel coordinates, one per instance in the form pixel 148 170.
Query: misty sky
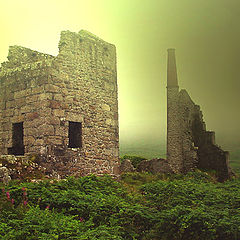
pixel 205 34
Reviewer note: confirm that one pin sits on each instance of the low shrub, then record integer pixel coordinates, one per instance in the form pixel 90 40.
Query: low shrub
pixel 193 207
pixel 161 207
pixel 100 205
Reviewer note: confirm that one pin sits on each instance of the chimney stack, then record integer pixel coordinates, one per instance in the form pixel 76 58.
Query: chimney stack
pixel 172 80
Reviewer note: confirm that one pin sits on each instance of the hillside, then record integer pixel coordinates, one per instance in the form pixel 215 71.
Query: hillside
pixel 148 149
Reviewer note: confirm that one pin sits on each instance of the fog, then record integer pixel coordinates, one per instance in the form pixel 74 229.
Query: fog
pixel 205 34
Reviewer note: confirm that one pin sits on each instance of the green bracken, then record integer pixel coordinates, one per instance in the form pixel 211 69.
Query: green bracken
pixel 191 206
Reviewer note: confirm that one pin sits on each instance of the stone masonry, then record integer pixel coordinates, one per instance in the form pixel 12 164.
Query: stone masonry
pixel 63 108
pixel 189 145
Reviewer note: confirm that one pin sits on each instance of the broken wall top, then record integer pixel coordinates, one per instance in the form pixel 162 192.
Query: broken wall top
pixel 21 59
pixel 71 39
pixel 86 48
pixel 25 59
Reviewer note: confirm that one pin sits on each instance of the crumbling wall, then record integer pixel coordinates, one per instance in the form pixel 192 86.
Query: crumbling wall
pixel 23 83
pixel 84 78
pixel 187 110
pixel 210 155
pixel 198 145
pixel 48 93
pixel 189 145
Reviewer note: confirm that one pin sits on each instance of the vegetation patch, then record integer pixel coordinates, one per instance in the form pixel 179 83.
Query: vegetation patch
pixel 191 206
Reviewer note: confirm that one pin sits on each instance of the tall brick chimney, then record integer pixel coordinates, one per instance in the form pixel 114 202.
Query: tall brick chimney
pixel 172 80
pixel 174 153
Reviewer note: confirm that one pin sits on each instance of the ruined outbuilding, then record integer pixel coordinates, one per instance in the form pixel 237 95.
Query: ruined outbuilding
pixel 189 144
pixel 62 108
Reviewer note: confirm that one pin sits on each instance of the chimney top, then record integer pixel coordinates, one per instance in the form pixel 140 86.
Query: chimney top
pixel 172 80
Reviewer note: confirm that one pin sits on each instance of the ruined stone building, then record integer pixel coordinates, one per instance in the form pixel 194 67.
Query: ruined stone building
pixel 189 144
pixel 63 108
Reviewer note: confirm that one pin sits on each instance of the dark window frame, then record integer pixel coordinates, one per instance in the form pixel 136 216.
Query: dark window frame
pixel 75 134
pixel 17 148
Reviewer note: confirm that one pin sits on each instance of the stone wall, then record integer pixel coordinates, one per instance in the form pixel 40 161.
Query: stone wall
pixel 47 93
pixel 198 145
pixel 187 111
pixel 23 95
pixel 174 140
pixel 189 145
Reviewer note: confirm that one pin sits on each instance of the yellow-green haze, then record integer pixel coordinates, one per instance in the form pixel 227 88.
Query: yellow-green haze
pixel 206 35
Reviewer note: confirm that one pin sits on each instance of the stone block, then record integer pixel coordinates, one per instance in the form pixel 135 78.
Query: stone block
pixel 53 120
pixel 30 131
pixel 65 105
pixel 20 102
pixel 17 118
pixel 154 166
pixel 9 95
pixel 51 88
pixel 109 121
pixel 22 93
pixel 41 104
pixel 6 126
pixel 9 112
pixel 35 123
pixel 39 142
pixel 69 99
pixel 58 112
pixel 126 166
pixel 10 104
pixel 4 175
pixel 46 130
pixel 61 131
pixel 55 140
pixel 45 96
pixel 58 97
pixel 38 90
pixel 32 98
pixel 28 140
pixel 2 104
pixel 45 112
pixel 64 91
pixel 74 117
pixel 55 104
pixel 31 116
pixel 106 107
pixel 25 109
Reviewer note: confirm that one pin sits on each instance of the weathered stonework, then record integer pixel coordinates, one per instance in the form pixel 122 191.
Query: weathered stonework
pixel 47 94
pixel 189 145
pixel 154 166
pixel 20 167
pixel 126 166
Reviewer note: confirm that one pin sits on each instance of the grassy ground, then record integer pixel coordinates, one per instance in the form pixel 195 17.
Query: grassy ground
pixel 146 149
pixel 235 160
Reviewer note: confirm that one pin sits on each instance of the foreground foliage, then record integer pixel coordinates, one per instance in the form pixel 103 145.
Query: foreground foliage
pixel 141 206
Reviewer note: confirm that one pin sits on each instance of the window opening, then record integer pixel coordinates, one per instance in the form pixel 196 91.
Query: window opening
pixel 75 134
pixel 17 139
